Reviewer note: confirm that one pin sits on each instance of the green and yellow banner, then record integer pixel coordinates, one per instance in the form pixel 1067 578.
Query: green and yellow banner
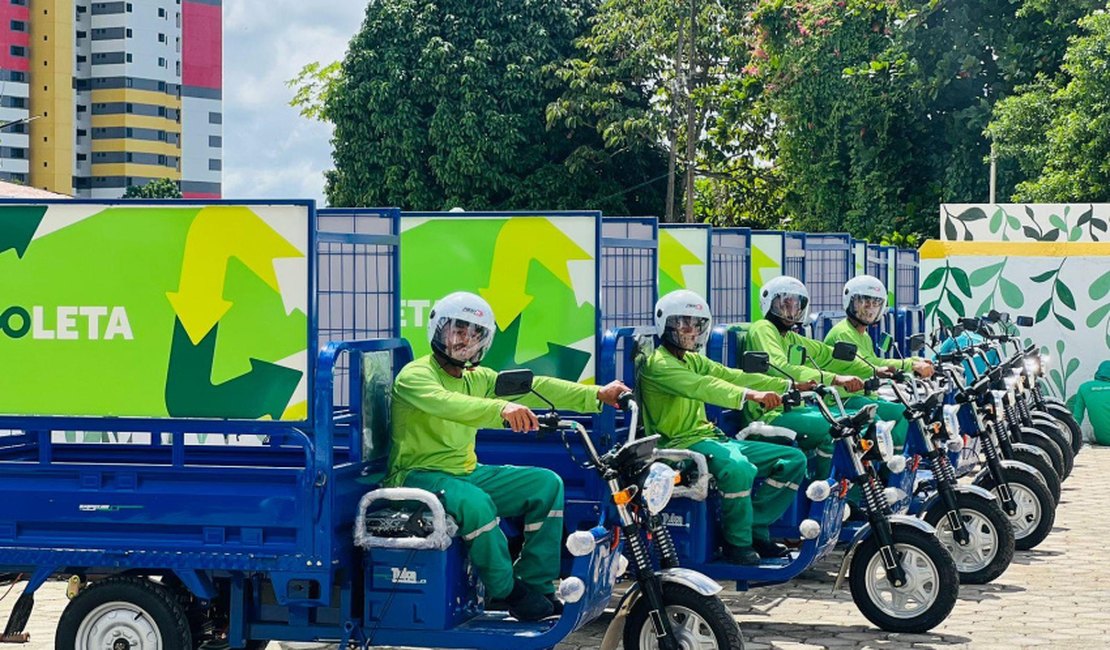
pixel 684 259
pixel 155 311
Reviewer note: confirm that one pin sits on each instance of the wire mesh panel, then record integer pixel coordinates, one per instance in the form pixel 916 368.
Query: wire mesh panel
pixel 876 262
pixel 628 271
pixel 906 291
pixel 357 284
pixel 730 275
pixel 794 264
pixel 828 264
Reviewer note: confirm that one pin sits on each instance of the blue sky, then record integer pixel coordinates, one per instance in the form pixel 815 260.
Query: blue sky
pixel 270 151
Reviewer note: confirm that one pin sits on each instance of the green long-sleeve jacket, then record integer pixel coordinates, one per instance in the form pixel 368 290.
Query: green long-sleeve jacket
pixel 1093 397
pixel 844 331
pixel 674 393
pixel 436 417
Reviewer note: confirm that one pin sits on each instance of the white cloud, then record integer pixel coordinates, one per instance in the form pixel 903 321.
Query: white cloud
pixel 270 151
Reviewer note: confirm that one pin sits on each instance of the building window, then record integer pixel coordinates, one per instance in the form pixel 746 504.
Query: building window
pixel 18 50
pixel 161 38
pixel 161 62
pixel 161 12
pixel 81 9
pixel 215 118
pixel 215 164
pixel 19 26
pixel 128 57
pixel 23 3
pixel 81 157
pixel 215 141
pixel 128 32
pixel 81 108
pixel 128 7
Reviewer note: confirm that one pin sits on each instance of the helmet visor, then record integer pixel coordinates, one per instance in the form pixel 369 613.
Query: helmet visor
pixel 687 332
pixel 867 309
pixel 462 340
pixel 790 307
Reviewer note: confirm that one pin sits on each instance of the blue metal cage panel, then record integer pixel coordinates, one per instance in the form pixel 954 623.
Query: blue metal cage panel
pixel 629 264
pixel 358 279
pixel 828 263
pixel 730 274
pixel 794 259
pixel 908 269
pixel 877 262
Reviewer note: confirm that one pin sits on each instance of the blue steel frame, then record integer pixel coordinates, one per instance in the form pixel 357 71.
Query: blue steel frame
pixel 628 297
pixel 877 262
pixel 709 237
pixel 828 265
pixel 199 425
pixel 730 263
pixel 906 292
pixel 598 331
pixel 794 255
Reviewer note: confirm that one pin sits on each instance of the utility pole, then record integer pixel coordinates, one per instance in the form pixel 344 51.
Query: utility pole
pixel 994 174
pixel 691 136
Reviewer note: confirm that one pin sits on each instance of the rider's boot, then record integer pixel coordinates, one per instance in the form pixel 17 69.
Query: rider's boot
pixel 745 555
pixel 768 549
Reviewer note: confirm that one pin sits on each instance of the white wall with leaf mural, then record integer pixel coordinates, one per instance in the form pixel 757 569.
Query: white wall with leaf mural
pixel 1065 287
pixel 1045 222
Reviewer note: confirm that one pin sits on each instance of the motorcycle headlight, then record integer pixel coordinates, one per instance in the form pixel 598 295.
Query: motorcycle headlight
pixel 883 438
pixel 1011 383
pixel 658 487
pixel 952 419
pixel 1032 366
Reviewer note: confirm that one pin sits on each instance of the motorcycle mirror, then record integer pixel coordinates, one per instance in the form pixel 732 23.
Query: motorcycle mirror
pixel 797 355
pixel 970 324
pixel 513 382
pixel 758 362
pixel 1024 321
pixel 845 351
pixel 886 342
pixel 916 343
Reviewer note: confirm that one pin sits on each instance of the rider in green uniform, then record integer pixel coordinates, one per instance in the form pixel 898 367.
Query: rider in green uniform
pixel 439 403
pixel 675 383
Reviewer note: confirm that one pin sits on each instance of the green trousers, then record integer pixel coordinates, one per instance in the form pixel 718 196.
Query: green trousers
pixel 735 464
pixel 813 437
pixel 478 500
pixel 886 411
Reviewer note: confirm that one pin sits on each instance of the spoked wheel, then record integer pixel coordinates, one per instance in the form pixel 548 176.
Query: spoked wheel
pixel 123 613
pixel 990 547
pixel 931 585
pixel 698 622
pixel 1036 511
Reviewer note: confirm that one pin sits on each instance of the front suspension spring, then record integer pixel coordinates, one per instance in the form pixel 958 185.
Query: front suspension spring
pixel 668 555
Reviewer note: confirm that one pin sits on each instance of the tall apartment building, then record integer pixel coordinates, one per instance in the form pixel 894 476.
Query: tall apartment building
pixel 117 94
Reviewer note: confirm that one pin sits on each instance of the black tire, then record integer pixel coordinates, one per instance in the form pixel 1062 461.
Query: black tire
pixel 1063 443
pixel 930 556
pixel 990 519
pixel 1037 439
pixel 1030 531
pixel 715 618
pixel 1062 414
pixel 1044 468
pixel 160 607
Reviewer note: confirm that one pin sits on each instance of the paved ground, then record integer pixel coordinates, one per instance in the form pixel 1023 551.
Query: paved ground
pixel 1053 596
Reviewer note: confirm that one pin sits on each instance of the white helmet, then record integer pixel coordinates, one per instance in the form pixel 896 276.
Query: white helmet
pixel 682 318
pixel 786 299
pixel 865 299
pixel 460 327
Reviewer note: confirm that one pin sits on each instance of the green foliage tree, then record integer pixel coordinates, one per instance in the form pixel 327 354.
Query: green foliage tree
pixel 159 188
pixel 443 104
pixel 1056 129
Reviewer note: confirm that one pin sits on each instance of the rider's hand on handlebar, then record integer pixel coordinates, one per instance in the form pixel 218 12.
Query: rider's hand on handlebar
pixel 805 385
pixel 885 372
pixel 923 369
pixel 609 393
pixel 520 418
pixel 848 383
pixel 766 399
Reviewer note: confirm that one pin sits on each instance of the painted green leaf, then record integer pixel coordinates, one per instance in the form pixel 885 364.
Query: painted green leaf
pixel 1063 320
pixel 950 230
pixel 1057 379
pixel 1065 294
pixel 1011 294
pixel 979 277
pixel 1013 222
pixel 960 276
pixel 1073 365
pixel 1031 232
pixel 1075 234
pixel 1060 347
pixel 1029 212
pixel 1057 222
pixel 1042 311
pixel 1085 216
pixel 996 220
pixel 957 304
pixel 1043 276
pixel 1051 235
pixel 944 318
pixel 972 214
pixel 930 308
pixel 1097 315
pixel 933 279
pixel 1098 224
pixel 986 306
pixel 1100 287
